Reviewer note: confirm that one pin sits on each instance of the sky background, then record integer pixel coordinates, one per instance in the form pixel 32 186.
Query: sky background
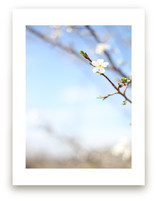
pixel 61 91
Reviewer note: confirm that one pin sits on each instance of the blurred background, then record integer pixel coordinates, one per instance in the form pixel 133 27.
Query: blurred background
pixel 66 125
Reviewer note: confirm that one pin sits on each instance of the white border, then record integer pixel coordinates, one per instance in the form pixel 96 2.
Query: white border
pixel 133 176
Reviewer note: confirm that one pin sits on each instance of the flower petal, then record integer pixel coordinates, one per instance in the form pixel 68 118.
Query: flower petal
pixel 101 70
pixel 95 69
pixel 105 64
pixel 100 61
pixel 94 63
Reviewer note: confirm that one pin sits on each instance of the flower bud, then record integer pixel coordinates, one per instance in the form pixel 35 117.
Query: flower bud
pixel 124 103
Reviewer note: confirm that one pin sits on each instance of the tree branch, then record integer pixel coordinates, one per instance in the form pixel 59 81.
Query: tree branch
pixel 119 92
pixel 104 97
pixel 71 50
pixel 85 55
pixel 114 67
pixel 125 88
pixel 54 42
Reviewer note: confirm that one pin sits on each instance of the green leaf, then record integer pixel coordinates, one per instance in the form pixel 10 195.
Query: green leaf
pixel 124 79
pixel 100 97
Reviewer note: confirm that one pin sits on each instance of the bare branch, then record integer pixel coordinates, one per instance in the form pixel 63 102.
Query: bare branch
pixel 104 97
pixel 125 88
pixel 119 92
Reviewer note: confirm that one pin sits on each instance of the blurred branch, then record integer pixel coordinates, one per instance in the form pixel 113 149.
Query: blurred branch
pixel 70 49
pixel 54 42
pixel 70 141
pixel 114 67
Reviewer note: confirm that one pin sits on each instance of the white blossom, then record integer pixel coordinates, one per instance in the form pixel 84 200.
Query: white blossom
pixel 56 33
pixel 101 47
pixel 99 66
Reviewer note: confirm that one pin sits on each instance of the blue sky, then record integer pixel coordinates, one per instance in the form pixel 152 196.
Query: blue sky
pixel 61 90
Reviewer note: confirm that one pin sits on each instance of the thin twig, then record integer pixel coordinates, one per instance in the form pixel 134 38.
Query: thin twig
pixel 85 55
pixel 119 92
pixel 114 67
pixel 125 88
pixel 104 97
pixel 70 49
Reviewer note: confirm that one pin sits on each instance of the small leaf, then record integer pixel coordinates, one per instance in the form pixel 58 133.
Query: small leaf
pixel 124 103
pixel 124 79
pixel 100 97
pixel 130 124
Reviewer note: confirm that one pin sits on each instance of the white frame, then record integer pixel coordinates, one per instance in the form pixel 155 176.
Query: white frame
pixel 132 176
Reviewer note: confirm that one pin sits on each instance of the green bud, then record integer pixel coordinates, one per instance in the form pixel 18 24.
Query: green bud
pixel 82 52
pixel 124 103
pixel 100 97
pixel 85 54
pixel 128 81
pixel 124 79
pixel 130 124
